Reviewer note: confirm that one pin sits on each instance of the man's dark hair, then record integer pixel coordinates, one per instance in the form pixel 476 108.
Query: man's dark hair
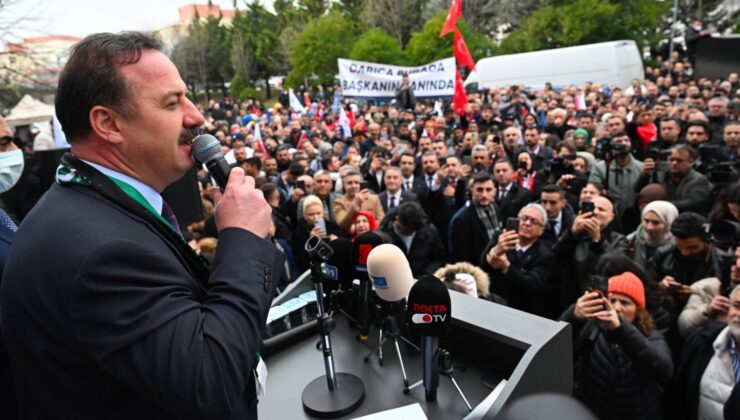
pixel 407 154
pixel 92 77
pixel 669 119
pixel 534 127
pixel 503 160
pixel 682 147
pixel 296 169
pixel 698 123
pixel 255 161
pixel 553 188
pixel 283 147
pixel 411 215
pixel 482 177
pixel 689 225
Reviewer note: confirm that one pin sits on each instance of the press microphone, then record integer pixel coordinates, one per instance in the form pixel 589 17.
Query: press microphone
pixel 207 150
pixel 390 272
pixel 429 315
pixel 361 248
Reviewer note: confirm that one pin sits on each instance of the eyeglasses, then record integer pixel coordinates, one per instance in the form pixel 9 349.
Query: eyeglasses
pixel 677 160
pixel 531 220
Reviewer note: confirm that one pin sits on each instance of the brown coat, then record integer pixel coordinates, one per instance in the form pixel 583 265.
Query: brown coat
pixel 343 209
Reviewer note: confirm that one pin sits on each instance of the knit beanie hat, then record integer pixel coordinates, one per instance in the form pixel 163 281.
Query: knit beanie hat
pixel 629 285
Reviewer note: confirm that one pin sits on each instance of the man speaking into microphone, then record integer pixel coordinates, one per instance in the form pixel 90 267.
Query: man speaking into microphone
pixel 107 311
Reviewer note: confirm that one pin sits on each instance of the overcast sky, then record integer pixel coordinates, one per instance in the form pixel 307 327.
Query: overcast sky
pixel 82 17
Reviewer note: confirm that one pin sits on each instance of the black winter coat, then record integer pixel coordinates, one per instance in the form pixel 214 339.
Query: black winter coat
pixel 620 373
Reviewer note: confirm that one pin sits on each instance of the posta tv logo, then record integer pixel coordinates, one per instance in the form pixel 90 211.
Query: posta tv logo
pixel 427 314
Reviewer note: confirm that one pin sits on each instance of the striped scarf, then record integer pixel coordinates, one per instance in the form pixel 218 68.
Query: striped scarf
pixel 487 215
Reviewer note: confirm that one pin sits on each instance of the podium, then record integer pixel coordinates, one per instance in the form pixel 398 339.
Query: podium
pixel 488 342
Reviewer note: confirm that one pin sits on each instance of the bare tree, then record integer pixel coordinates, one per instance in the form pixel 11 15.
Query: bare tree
pixel 400 18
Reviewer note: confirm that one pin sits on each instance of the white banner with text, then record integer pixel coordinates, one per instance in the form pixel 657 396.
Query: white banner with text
pixel 360 79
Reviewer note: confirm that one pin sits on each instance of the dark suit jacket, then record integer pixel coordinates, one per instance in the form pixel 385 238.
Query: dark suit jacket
pixel 517 198
pixel 419 187
pixel 468 236
pixel 117 323
pixel 405 196
pixel 528 283
pixel 548 236
pixel 426 254
pixel 8 405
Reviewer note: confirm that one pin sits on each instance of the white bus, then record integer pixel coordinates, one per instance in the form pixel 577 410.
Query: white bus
pixel 614 63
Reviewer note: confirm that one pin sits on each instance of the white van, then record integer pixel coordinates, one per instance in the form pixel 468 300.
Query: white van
pixel 614 63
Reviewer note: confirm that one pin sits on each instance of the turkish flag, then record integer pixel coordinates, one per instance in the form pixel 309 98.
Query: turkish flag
pixel 462 53
pixel 460 99
pixel 453 15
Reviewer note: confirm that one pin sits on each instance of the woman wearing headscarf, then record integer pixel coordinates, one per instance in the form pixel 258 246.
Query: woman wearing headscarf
pixel 653 232
pixel 622 362
pixel 363 221
pixel 632 215
pixel 583 140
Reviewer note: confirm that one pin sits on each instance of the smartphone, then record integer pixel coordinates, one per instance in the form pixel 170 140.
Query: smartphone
pixel 363 185
pixel 586 207
pixel 601 284
pixel 522 165
pixel 512 224
pixel 321 224
pixel 497 139
pixel 301 185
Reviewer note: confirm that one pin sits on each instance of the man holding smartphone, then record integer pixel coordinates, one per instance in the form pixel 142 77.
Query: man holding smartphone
pixel 520 265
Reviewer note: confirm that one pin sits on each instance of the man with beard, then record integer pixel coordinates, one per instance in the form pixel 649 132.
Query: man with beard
pixel 139 325
pixel 540 154
pixel 476 225
pixel 481 159
pixel 690 258
pixel 709 369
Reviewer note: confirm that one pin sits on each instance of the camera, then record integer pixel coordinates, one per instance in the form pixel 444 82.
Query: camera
pixel 318 250
pixel 607 150
pixel 660 157
pixel 723 173
pixel 558 167
pixel 725 233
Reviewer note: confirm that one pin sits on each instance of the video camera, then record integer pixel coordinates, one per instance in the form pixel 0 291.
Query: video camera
pixel 660 156
pixel 607 150
pixel 723 173
pixel 559 167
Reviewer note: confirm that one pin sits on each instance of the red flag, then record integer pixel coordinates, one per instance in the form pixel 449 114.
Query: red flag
pixel 462 53
pixel 453 15
pixel 460 99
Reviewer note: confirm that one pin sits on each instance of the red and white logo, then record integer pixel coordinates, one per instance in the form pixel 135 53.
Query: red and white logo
pixel 427 318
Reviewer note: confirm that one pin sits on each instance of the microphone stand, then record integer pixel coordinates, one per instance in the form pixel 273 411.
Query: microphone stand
pixel 392 331
pixel 344 392
pixel 441 364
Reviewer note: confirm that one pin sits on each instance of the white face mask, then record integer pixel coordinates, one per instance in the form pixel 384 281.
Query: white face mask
pixel 11 168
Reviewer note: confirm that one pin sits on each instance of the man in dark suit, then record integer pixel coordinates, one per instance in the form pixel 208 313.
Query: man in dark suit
pixel 410 230
pixel 510 197
pixel 521 266
pixel 559 215
pixel 449 196
pixel 394 195
pixel 540 154
pixel 476 225
pixel 411 183
pixel 123 319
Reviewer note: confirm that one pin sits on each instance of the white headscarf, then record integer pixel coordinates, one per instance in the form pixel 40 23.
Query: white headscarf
pixel 667 213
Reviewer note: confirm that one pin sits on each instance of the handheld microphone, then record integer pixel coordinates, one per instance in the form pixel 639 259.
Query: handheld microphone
pixel 429 314
pixel 207 150
pixel 361 248
pixel 390 272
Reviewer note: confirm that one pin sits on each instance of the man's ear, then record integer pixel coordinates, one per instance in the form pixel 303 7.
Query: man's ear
pixel 105 123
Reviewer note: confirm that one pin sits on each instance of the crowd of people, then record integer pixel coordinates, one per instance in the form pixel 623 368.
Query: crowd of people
pixel 617 210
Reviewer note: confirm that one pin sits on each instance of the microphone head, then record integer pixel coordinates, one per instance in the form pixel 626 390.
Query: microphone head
pixel 206 148
pixel 361 248
pixel 390 272
pixel 429 308
pixel 341 262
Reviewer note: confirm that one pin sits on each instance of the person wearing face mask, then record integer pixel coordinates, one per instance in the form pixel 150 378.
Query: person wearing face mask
pixel 11 167
pixel 653 232
pixel 623 362
pixel 694 32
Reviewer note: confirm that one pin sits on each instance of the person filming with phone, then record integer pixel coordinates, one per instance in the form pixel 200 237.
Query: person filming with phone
pixel 622 361
pixel 313 223
pixel 589 237
pixel 520 265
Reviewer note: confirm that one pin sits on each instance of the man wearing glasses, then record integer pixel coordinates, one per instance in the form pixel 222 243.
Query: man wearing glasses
pixel 521 266
pixel 686 188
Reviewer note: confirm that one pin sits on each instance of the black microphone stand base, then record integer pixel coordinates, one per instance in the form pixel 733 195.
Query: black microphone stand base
pixel 320 402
